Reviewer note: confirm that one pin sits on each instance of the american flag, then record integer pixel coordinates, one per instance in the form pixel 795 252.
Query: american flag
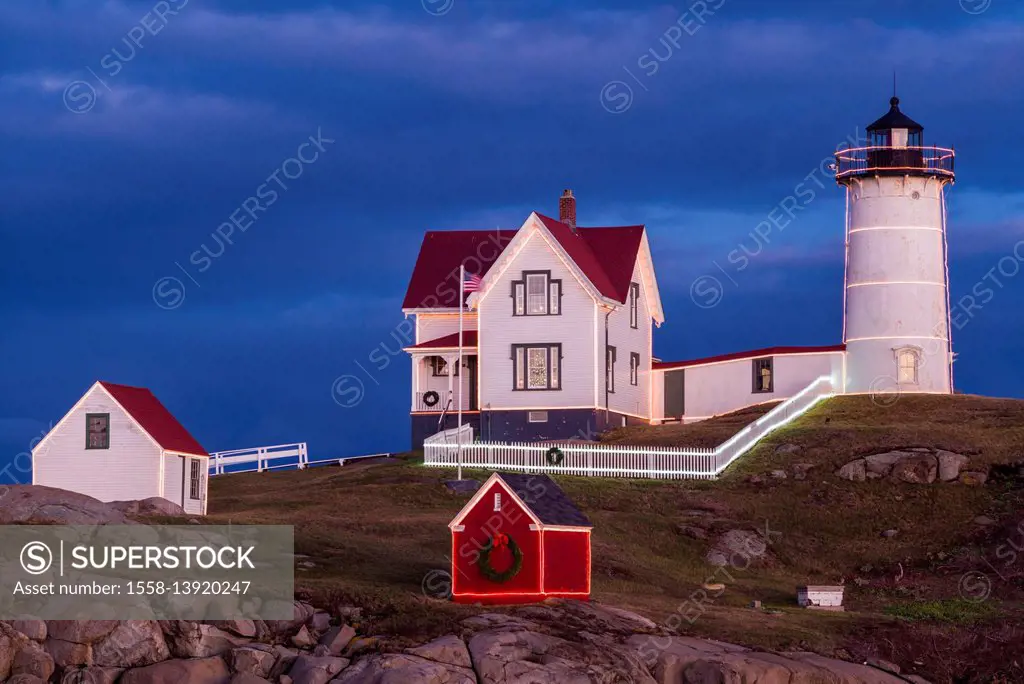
pixel 471 282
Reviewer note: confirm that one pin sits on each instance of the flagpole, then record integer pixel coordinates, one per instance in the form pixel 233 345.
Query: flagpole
pixel 458 368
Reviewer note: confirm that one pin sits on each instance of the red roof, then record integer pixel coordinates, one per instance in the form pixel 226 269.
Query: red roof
pixel 605 255
pixel 449 341
pixel 154 418
pixel 767 351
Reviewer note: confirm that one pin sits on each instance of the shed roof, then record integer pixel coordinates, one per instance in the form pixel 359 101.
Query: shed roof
pixel 153 417
pixel 546 499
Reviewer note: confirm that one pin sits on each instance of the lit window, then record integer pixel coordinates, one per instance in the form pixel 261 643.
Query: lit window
pixel 609 368
pixel 97 431
pixel 908 361
pixel 536 367
pixel 634 300
pixel 497 501
pixel 763 375
pixel 518 299
pixel 634 368
pixel 536 295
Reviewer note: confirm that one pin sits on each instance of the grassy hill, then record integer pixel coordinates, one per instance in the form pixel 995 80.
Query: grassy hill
pixel 377 535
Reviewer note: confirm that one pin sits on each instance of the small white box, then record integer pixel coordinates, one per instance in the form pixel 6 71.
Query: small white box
pixel 821 596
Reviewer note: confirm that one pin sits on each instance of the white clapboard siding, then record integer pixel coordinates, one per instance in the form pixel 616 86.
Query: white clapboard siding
pixel 432 326
pixel 453 447
pixel 129 469
pixel 629 399
pixel 178 481
pixel 575 328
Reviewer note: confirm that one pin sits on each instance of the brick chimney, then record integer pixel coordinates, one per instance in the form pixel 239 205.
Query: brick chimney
pixel 567 209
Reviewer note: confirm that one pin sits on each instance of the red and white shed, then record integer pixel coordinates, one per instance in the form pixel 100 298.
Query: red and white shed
pixel 520 539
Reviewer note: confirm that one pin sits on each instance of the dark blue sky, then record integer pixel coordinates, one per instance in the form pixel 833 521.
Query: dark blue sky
pixel 468 115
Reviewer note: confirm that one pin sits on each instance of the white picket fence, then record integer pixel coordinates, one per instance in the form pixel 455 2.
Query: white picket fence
pixel 261 457
pixel 615 460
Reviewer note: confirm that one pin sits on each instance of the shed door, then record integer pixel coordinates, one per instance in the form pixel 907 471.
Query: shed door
pixel 675 388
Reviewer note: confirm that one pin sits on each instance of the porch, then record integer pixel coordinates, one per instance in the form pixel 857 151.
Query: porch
pixel 439 379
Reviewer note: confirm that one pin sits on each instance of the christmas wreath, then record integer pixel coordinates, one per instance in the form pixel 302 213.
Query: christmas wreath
pixel 499 541
pixel 431 398
pixel 555 456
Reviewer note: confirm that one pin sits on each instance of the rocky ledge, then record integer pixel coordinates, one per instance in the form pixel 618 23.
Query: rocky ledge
pixel 563 642
pixel 915 465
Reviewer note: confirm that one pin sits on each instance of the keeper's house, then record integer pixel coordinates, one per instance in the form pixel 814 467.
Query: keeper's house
pixel 520 539
pixel 120 443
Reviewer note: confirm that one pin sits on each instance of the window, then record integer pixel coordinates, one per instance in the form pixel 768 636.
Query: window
pixel 497 502
pixel 195 487
pixel 536 295
pixel 634 303
pixel 97 431
pixel 609 368
pixel 439 365
pixel 634 368
pixel 763 375
pixel 907 363
pixel 537 417
pixel 536 366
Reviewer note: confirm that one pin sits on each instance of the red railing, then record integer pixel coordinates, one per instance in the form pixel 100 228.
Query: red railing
pixel 870 161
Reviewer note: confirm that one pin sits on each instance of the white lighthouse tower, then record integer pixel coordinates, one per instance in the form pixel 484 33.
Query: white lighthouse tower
pixel 896 318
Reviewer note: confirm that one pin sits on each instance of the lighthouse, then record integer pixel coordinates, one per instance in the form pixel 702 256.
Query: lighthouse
pixel 896 298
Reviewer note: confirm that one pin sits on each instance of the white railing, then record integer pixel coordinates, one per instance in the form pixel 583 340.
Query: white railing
pixel 615 460
pixel 261 457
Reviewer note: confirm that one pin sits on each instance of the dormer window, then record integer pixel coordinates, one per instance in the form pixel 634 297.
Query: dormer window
pixel 537 294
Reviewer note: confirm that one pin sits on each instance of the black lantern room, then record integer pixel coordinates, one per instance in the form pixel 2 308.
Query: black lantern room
pixel 895 148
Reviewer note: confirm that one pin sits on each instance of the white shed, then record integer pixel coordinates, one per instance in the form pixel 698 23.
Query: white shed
pixel 119 443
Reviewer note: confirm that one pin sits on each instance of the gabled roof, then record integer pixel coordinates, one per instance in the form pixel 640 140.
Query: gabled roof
pixel 606 256
pixel 544 501
pixel 753 354
pixel 143 406
pixel 448 341
pixel 435 278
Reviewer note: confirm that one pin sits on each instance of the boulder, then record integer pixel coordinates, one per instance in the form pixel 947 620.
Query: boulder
pixel 194 671
pixel 739 548
pixel 284 658
pixel 881 464
pixel 950 464
pixel 253 660
pixel 779 474
pixel 244 628
pixel 93 675
pixel 31 659
pixel 321 621
pixel 133 643
pixel 973 477
pixel 309 669
pixel 404 669
pixel 187 639
pixel 33 629
pixel 916 469
pixel 302 614
pixel 154 505
pixel 691 531
pixel 449 650
pixel 68 653
pixel 337 638
pixel 247 678
pixel 787 449
pixel 80 631
pixel 854 471
pixel 35 504
pixel 302 638
pixel 25 679
pixel 12 642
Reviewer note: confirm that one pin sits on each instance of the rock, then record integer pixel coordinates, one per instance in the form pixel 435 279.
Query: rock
pixel 68 653
pixel 31 659
pixel 251 660
pixel 779 474
pixel 854 471
pixel 984 520
pixel 916 469
pixel 321 621
pixel 402 668
pixel 302 614
pixel 738 548
pixel 35 504
pixel 187 639
pixel 881 464
pixel 360 644
pixel 25 679
pixel 498 621
pixel 80 631
pixel 302 638
pixel 33 629
pixel 309 669
pixel 860 582
pixel 133 643
pixel 244 628
pixel 154 505
pixel 787 449
pixel 800 470
pixel 194 671
pixel 890 533
pixel 866 568
pixel 450 650
pixel 92 675
pixel 755 479
pixel 337 638
pixel 691 531
pixel 247 678
pixel 320 651
pixel 885 665
pixel 950 464
pixel 284 659
pixel 973 478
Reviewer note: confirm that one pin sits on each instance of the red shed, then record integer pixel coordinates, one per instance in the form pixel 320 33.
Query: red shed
pixel 518 540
